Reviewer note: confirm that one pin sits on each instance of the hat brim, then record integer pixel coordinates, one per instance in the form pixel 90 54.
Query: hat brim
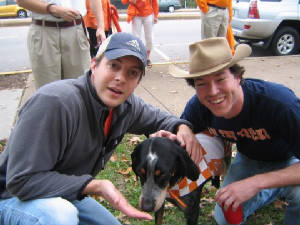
pixel 242 51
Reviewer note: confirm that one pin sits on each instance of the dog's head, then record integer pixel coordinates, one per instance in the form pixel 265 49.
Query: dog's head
pixel 160 163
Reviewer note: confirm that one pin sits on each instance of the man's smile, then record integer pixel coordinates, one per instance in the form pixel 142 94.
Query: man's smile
pixel 217 100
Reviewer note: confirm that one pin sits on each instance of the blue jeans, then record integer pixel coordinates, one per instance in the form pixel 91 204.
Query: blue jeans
pixel 54 211
pixel 243 167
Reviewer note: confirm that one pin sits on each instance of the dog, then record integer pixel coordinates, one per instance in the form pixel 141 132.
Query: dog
pixel 163 167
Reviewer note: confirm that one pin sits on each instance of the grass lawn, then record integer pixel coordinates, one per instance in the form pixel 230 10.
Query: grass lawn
pixel 118 170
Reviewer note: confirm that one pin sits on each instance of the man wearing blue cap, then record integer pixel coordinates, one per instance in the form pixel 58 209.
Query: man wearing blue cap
pixel 66 133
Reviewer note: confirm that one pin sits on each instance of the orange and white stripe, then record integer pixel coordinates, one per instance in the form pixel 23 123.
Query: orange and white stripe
pixel 212 164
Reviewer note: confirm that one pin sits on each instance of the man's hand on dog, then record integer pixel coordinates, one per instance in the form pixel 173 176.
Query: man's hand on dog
pixel 187 140
pixel 108 191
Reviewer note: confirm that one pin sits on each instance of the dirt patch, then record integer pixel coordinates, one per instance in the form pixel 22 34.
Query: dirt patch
pixel 15 81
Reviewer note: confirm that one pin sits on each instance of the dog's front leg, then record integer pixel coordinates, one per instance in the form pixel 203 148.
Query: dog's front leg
pixel 159 214
pixel 191 213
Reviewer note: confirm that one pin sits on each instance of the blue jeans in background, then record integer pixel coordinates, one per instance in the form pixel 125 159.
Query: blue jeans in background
pixel 54 211
pixel 243 167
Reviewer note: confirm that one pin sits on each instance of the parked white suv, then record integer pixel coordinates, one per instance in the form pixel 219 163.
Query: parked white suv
pixel 273 23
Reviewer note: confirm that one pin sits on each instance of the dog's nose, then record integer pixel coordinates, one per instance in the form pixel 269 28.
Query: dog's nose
pixel 147 205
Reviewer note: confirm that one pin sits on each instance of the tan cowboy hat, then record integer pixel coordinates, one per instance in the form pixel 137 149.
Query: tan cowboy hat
pixel 209 56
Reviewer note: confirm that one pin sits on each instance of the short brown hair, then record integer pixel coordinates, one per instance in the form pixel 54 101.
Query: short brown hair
pixel 235 69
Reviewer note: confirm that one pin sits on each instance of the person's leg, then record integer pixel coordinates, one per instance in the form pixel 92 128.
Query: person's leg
pixel 210 23
pixel 148 28
pixel 243 167
pixel 238 170
pixel 44 54
pixel 92 212
pixel 75 52
pixel 48 211
pixel 93 41
pixel 292 196
pixel 224 19
pixel 136 26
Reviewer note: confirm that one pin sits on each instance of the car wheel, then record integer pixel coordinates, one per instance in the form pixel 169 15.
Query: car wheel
pixel 285 41
pixel 22 14
pixel 171 9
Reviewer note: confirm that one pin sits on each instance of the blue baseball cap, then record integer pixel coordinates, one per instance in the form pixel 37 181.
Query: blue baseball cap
pixel 122 44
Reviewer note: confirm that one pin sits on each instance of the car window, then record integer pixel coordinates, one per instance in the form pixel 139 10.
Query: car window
pixel 11 2
pixel 244 1
pixel 2 3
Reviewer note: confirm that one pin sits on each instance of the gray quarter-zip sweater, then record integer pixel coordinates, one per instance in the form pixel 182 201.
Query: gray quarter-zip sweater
pixel 58 144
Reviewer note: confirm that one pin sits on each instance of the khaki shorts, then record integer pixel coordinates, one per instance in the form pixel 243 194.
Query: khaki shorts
pixel 214 23
pixel 57 54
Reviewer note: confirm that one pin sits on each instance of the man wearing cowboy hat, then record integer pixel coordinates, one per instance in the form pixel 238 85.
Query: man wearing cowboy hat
pixel 261 117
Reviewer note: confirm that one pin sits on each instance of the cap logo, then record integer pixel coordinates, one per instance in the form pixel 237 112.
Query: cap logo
pixel 135 44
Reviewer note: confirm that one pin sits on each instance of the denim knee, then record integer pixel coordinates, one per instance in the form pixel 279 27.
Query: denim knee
pixel 49 211
pixel 292 215
pixel 219 216
pixel 220 219
pixel 59 212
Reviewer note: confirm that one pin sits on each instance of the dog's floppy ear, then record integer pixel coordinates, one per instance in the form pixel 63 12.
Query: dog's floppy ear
pixel 187 166
pixel 135 156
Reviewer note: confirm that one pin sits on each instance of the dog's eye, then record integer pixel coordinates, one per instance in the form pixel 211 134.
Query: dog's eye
pixel 142 174
pixel 142 171
pixel 157 172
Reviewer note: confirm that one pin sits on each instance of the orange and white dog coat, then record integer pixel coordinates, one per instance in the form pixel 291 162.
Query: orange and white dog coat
pixel 212 164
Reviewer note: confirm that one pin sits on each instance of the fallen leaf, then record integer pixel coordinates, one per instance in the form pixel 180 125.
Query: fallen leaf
pixel 124 159
pixel 113 158
pixel 280 204
pixel 125 172
pixel 135 140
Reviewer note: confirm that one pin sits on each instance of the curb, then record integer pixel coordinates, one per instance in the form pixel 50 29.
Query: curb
pixel 15 72
pixel 122 17
pixel 14 22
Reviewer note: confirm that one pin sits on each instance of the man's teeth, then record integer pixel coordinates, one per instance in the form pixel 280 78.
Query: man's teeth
pixel 217 101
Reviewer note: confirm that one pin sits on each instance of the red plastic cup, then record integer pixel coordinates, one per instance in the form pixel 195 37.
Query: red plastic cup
pixel 233 217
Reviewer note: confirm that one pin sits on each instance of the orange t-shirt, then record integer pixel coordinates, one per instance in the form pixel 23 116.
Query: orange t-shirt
pixel 141 8
pixel 90 19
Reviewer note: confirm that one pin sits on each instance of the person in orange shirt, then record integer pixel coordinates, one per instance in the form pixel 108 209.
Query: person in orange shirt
pixel 91 25
pixel 216 16
pixel 143 13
